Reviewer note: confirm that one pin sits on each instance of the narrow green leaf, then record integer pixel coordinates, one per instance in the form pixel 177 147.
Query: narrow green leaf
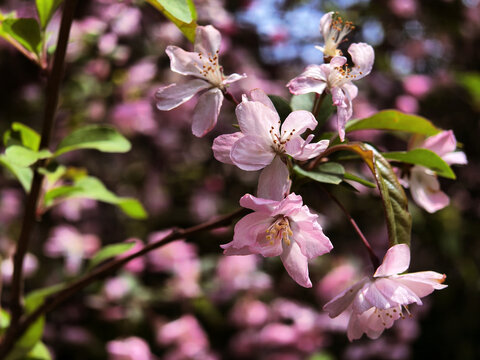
pixel 329 173
pixel 21 134
pixel 24 157
pixel 471 82
pixel 423 157
pixel 92 188
pixel 109 252
pixel 395 202
pixel 23 174
pixel 181 12
pixel 39 352
pixel 23 31
pixel 46 9
pixel 394 120
pixel 281 105
pixel 352 177
pixel 4 320
pixel 99 137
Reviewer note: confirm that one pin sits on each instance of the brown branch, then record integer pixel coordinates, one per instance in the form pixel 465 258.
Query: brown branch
pixel 105 269
pixel 52 90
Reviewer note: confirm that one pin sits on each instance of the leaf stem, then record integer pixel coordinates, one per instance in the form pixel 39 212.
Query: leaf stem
pixel 229 96
pixel 105 269
pixel 373 258
pixel 318 103
pixel 52 91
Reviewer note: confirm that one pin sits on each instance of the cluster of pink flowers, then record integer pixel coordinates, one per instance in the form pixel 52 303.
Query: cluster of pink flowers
pixel 280 224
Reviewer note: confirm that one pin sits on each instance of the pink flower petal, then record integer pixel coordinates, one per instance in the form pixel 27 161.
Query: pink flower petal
pixel 274 181
pixel 173 95
pixel 233 78
pixel 343 300
pixel 206 112
pixel 303 150
pixel 311 239
pixel 222 146
pixel 296 264
pixel 297 122
pixel 441 143
pixel 425 190
pixel 326 23
pixel 422 283
pixel 251 152
pixel 184 62
pixel 262 205
pixel 396 293
pixel 396 261
pixel 207 40
pixel 257 119
pixel 456 157
pixel 260 96
pixel 338 61
pixel 363 57
pixel 248 229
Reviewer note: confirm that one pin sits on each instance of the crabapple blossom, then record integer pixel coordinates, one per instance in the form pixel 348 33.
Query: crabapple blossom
pixel 336 77
pixel 375 303
pixel 334 29
pixel 66 241
pixel 423 182
pixel 283 228
pixel 208 78
pixel 264 142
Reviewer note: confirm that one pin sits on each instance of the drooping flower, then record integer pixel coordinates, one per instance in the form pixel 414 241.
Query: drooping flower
pixel 283 228
pixel 334 29
pixel 423 182
pixel 208 76
pixel 336 78
pixel 375 303
pixel 264 141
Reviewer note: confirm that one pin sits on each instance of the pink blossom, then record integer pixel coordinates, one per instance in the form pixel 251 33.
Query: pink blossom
pixel 187 335
pixel 336 78
pixel 262 143
pixel 417 85
pixel 334 29
pixel 66 241
pixel 237 273
pixel 283 228
pixel 423 182
pixel 30 265
pixel 132 348
pixel 375 303
pixel 249 313
pixel 407 104
pixel 208 75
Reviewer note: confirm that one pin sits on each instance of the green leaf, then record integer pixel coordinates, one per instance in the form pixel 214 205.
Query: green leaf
pixel 21 134
pixel 92 188
pixel 394 120
pixel 99 137
pixel 281 105
pixel 109 252
pixel 329 173
pixel 23 174
pixel 395 203
pixel 24 157
pixel 181 12
pixel 46 9
pixel 39 352
pixel 352 177
pixel 4 320
pixel 471 82
pixel 24 32
pixel 423 157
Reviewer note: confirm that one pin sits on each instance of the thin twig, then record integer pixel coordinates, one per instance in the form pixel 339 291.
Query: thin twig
pixel 105 269
pixel 318 103
pixel 229 96
pixel 373 257
pixel 52 90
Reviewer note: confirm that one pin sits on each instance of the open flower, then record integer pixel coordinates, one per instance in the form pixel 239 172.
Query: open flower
pixel 423 182
pixel 336 78
pixel 375 303
pixel 208 75
pixel 284 228
pixel 334 29
pixel 263 142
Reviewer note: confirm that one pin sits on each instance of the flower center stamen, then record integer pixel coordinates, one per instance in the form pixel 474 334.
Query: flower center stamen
pixel 211 70
pixel 339 28
pixel 280 230
pixel 279 141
